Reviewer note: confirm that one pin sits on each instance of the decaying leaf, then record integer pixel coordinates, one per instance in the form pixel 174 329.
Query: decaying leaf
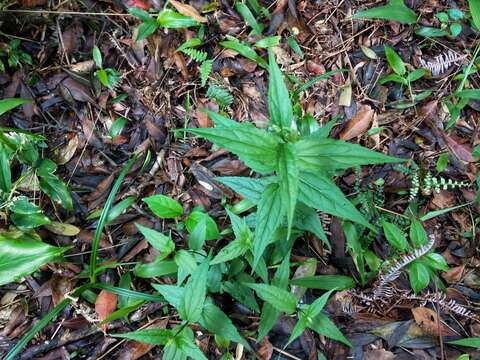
pixel 359 124
pixel 105 304
pixel 188 10
pixel 430 323
pixel 62 228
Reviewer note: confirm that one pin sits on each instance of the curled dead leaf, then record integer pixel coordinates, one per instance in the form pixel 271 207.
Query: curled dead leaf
pixel 359 123
pixel 265 351
pixel 105 304
pixel 454 274
pixel 65 153
pixel 188 10
pixel 430 323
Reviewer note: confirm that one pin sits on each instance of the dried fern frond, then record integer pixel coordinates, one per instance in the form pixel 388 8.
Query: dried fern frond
pixel 205 71
pixel 441 63
pixel 393 270
pixel 446 305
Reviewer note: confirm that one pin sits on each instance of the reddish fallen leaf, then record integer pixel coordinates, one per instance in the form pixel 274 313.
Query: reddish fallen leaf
pixel 428 320
pixel 105 305
pixel 188 10
pixel 138 4
pixel 359 124
pixel 265 351
pixel 462 151
pixel 454 274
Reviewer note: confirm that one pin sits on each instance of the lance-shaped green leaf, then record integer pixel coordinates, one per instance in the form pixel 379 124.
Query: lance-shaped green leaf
pixel 395 10
pixel 288 180
pixel 255 147
pixel 163 206
pixel 279 298
pixel 148 336
pixel 174 20
pixel 270 315
pixel 214 320
pixel 307 314
pixel 26 215
pixel 162 243
pixel 329 154
pixel 324 326
pixel 22 254
pixel 249 188
pixel 11 103
pixel 279 105
pixel 192 302
pixel 321 193
pixel 269 217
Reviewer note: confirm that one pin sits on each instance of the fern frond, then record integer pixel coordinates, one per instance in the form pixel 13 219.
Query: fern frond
pixel 447 305
pixel 220 95
pixel 441 63
pixel 393 270
pixel 197 55
pixel 205 71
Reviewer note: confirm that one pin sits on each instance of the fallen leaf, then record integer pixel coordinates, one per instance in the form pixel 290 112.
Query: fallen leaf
pixel 65 153
pixel 359 123
pixel 379 354
pixel 454 274
pixel 105 304
pixel 62 229
pixel 188 10
pixel 346 96
pixel 462 151
pixel 428 320
pixel 265 351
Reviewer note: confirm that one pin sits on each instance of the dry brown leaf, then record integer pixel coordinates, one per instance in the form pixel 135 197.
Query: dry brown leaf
pixel 454 274
pixel 188 10
pixel 105 304
pixel 359 123
pixel 428 320
pixel 265 351
pixel 65 153
pixel 379 354
pixel 462 151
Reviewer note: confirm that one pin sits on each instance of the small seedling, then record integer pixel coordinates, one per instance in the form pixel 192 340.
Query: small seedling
pixel 450 25
pixel 401 75
pixel 12 55
pixel 108 77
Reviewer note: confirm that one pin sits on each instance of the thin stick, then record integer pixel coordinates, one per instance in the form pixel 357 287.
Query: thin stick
pixel 50 12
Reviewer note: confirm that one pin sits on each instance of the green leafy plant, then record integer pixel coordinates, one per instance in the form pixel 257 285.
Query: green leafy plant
pixel 303 166
pixel 395 10
pixel 450 25
pixel 401 75
pixel 108 77
pixel 11 54
pixel 200 56
pixel 21 249
pixel 167 18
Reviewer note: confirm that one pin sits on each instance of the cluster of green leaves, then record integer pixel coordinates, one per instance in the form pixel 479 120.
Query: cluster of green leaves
pixel 200 56
pixel 13 55
pixel 424 268
pixel 22 251
pixel 450 21
pixel 108 77
pixel 402 76
pixel 450 24
pixel 166 18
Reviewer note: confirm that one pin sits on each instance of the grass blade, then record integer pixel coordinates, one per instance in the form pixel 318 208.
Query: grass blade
pixel 104 216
